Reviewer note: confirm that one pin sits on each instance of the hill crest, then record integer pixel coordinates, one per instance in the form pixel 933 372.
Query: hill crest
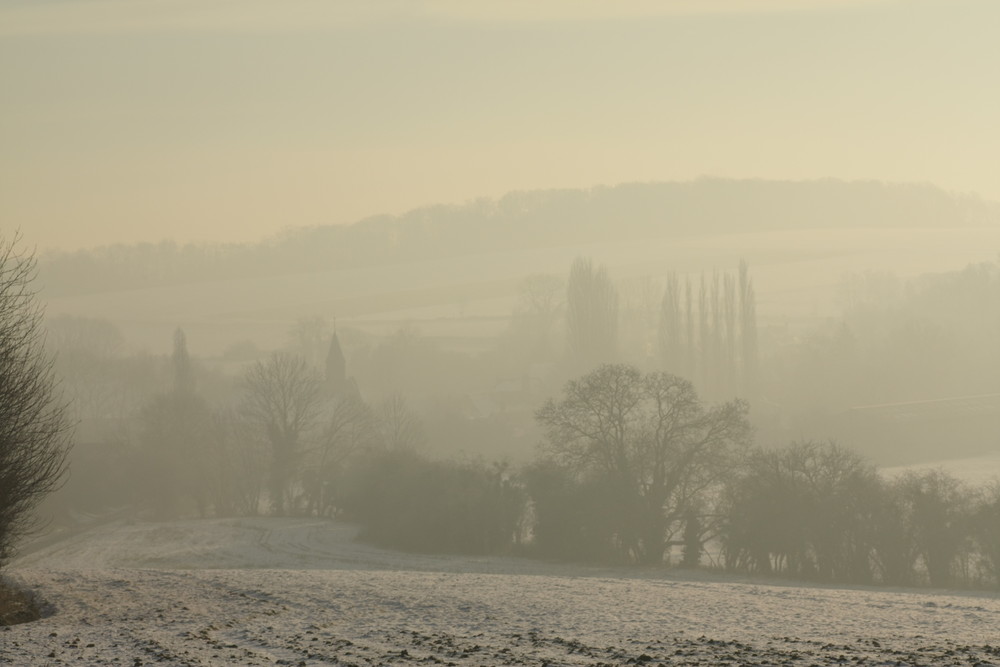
pixel 521 220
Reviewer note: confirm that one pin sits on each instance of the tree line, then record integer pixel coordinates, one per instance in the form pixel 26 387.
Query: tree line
pixel 521 220
pixel 635 469
pixel 637 465
pixel 281 447
pixel 705 329
pixel 820 511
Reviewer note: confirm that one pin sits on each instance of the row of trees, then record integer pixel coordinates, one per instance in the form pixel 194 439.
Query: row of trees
pixel 540 219
pixel 635 462
pixel 710 337
pixel 820 511
pixel 285 442
pixel 713 341
pixel 928 338
pixel 634 465
pixel 591 315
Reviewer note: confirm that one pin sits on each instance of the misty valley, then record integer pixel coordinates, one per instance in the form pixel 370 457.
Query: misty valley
pixel 474 333
pixel 517 432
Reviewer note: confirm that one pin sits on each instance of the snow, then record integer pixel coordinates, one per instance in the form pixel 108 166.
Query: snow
pixel 976 470
pixel 304 592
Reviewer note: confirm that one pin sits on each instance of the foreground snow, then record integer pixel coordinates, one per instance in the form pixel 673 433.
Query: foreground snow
pixel 369 606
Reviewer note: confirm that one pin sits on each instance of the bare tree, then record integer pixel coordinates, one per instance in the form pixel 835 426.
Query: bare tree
pixel 34 428
pixel 98 338
pixel 937 507
pixel 542 295
pixel 283 400
pixel 349 428
pixel 89 363
pixel 242 463
pixel 652 440
pixel 541 298
pixel 810 509
pixel 398 426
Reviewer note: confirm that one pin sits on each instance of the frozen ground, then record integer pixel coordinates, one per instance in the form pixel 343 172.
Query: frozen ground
pixel 976 470
pixel 300 592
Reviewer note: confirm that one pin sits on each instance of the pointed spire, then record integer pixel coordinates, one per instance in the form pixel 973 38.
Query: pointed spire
pixel 336 365
pixel 183 375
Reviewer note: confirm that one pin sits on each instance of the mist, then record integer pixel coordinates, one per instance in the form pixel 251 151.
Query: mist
pixel 358 323
pixel 333 371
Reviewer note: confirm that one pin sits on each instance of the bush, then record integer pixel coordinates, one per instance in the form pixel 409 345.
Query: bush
pixel 17 605
pixel 574 517
pixel 404 500
pixel 805 510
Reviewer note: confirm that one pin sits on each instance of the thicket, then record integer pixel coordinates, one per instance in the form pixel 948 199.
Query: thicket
pixel 644 447
pixel 18 605
pixel 820 511
pixel 405 500
pixel 813 511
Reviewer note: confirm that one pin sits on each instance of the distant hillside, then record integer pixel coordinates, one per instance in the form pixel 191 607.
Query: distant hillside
pixel 518 220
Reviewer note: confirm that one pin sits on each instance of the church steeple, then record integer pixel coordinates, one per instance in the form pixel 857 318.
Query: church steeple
pixel 336 367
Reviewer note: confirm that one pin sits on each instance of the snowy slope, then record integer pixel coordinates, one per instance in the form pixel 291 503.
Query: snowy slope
pixel 369 606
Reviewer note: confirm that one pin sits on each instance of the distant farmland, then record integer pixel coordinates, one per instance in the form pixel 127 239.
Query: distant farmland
pixel 797 275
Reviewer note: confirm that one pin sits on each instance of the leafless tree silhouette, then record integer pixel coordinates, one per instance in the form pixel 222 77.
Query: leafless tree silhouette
pixel 34 428
pixel 652 440
pixel 284 398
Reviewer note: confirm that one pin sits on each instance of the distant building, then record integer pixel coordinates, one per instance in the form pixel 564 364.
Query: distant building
pixel 337 381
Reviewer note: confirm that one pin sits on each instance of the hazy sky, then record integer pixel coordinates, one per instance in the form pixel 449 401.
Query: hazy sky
pixel 232 119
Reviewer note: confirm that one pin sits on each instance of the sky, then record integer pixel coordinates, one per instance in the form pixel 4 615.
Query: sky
pixel 231 120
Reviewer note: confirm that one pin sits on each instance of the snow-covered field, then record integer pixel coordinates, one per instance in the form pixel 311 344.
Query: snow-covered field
pixel 975 470
pixel 302 592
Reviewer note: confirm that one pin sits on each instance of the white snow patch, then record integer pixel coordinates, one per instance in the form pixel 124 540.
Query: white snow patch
pixel 270 591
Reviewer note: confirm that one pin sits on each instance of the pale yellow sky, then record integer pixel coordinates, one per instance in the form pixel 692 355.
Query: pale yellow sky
pixel 230 120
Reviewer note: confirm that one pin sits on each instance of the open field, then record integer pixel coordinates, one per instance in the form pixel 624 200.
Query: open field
pixel 974 470
pixel 302 592
pixel 797 275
